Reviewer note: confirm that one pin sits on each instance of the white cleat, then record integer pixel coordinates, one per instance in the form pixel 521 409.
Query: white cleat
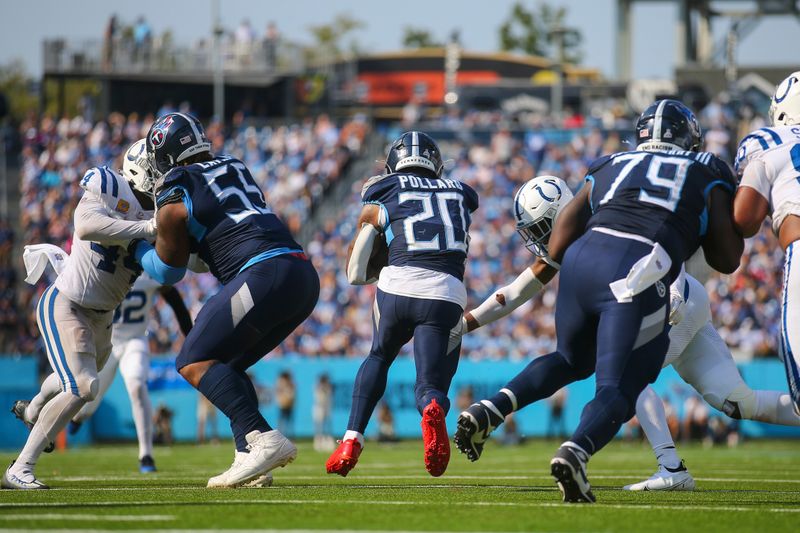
pixel 21 479
pixel 666 479
pixel 260 482
pixel 267 451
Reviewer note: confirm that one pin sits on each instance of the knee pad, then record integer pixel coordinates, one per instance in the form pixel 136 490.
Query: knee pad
pixel 740 404
pixel 88 386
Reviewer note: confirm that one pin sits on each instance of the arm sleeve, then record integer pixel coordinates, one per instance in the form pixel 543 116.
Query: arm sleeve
pixel 173 298
pixel 755 176
pixel 508 298
pixel 359 259
pixel 164 274
pixel 93 223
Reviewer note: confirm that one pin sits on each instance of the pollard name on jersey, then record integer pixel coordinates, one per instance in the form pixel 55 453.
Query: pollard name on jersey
pixel 98 276
pixel 658 195
pixel 775 153
pixel 229 220
pixel 425 221
pixel 130 317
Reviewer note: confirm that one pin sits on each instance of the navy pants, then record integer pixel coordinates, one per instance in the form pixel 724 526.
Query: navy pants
pixel 253 313
pixel 240 324
pixel 396 319
pixel 624 344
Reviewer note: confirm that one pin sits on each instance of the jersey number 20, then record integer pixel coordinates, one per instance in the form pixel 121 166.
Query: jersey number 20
pixel 428 212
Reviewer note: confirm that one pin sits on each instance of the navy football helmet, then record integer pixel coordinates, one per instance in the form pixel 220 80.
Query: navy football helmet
pixel 668 125
pixel 173 138
pixel 414 149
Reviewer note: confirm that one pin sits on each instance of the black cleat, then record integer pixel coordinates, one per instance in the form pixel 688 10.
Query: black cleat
pixel 147 465
pixel 568 466
pixel 19 411
pixel 475 424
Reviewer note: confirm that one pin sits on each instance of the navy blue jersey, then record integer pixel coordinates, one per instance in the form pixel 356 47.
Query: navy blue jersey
pixel 229 221
pixel 426 221
pixel 662 196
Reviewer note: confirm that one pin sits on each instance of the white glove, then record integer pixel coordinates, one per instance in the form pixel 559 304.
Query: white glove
pixel 151 227
pixel 677 307
pixel 456 333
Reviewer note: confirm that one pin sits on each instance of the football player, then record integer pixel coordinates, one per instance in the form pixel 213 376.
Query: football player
pixel 619 245
pixel 75 313
pixel 131 354
pixel 425 221
pixel 212 205
pixel 696 351
pixel 768 161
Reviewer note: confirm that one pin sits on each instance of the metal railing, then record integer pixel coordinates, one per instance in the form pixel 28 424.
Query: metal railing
pixel 161 56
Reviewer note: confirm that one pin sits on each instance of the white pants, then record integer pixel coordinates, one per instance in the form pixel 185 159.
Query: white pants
pixel 133 359
pixel 707 365
pixel 790 321
pixel 77 340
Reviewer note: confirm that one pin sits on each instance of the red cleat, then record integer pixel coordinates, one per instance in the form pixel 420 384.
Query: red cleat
pixel 434 437
pixel 344 459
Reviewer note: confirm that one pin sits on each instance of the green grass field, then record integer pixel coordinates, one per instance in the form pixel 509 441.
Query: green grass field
pixel 755 487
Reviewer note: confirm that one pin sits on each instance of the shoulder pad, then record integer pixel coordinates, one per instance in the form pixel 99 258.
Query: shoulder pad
pixel 102 182
pixel 374 180
pixel 600 161
pixel 753 145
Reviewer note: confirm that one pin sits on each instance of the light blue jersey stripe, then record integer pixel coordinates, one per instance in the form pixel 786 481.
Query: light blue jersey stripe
pixel 57 342
pixel 269 254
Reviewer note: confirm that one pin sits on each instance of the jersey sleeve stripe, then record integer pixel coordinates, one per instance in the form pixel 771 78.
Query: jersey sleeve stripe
pixel 763 142
pixel 114 186
pixel 775 137
pixel 103 181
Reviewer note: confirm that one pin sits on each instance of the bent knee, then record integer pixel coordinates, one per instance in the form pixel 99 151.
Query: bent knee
pixel 88 387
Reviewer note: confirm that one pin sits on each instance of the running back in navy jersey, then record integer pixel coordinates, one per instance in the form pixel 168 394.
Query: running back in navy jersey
pixel 426 220
pixel 659 195
pixel 229 221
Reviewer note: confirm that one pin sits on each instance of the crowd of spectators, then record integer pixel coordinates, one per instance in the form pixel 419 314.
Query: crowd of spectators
pixel 295 165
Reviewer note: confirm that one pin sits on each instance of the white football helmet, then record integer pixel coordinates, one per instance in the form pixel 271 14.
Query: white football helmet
pixel 136 168
pixel 536 207
pixel 785 107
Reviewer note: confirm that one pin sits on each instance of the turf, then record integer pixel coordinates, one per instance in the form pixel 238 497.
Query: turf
pixel 754 487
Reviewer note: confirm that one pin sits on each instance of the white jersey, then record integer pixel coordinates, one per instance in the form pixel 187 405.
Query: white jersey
pixel 768 160
pixel 697 314
pixel 130 318
pixel 99 272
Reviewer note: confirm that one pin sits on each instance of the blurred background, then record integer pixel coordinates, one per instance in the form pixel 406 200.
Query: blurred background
pixel 308 96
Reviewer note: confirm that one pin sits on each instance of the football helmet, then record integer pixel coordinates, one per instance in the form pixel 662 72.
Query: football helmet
pixel 414 149
pixel 136 168
pixel 537 205
pixel 784 110
pixel 668 125
pixel 173 138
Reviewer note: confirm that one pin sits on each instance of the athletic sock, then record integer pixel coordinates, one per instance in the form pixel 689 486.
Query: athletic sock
pixel 503 403
pixel 142 411
pixel 653 419
pixel 53 418
pixel 50 387
pixel 349 434
pixel 229 393
pixel 540 379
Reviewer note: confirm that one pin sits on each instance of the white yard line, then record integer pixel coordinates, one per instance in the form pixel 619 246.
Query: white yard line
pixel 89 517
pixel 632 507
